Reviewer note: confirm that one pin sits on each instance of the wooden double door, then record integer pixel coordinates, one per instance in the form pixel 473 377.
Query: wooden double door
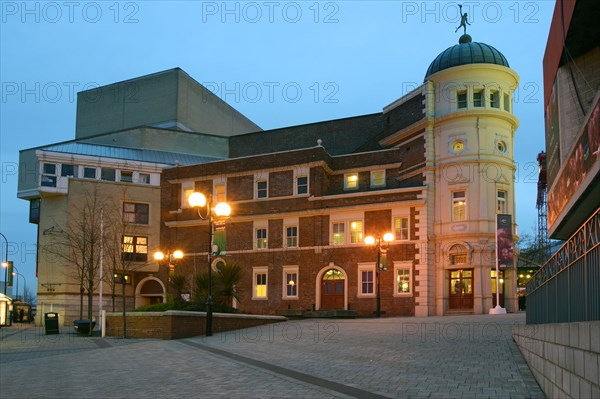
pixel 461 289
pixel 332 290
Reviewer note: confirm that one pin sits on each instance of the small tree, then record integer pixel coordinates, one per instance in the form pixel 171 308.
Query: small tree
pixel 178 283
pixel 224 285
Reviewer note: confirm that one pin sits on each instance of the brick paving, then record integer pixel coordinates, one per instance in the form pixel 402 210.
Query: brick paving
pixel 437 357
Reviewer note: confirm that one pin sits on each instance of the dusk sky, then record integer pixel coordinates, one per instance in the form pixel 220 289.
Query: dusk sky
pixel 278 63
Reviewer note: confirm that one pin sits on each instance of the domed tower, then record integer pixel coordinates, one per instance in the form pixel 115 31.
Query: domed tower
pixel 470 172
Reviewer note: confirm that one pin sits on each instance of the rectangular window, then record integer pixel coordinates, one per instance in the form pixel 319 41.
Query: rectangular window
pixel 351 181
pixel 459 206
pixel 126 176
pixel 507 102
pixel 68 170
pixel 49 175
pixel 378 178
pixel 220 193
pixel 89 173
pixel 135 248
pixel 403 281
pixel 494 99
pixel 144 178
pixel 291 237
pixel 461 99
pixel 401 228
pixel 108 174
pixel 366 282
pixel 339 237
pixel 302 185
pixel 356 231
pixel 478 98
pixel 501 202
pixel 261 238
pixel 259 285
pixel 34 211
pixel 291 284
pixel 262 189
pixel 135 213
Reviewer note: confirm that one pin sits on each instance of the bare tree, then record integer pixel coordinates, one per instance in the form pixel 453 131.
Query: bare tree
pixel 80 244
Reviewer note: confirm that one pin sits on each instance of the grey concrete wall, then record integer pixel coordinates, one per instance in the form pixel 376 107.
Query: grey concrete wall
pixel 563 357
pixel 168 99
pixel 28 174
pixel 166 140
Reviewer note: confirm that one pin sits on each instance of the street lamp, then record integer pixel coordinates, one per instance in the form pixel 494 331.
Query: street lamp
pixel 382 246
pixel 215 216
pixel 5 263
pixel 172 257
pixel 16 273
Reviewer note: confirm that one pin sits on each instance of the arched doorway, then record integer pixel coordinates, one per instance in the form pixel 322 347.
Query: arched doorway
pixel 333 284
pixel 150 291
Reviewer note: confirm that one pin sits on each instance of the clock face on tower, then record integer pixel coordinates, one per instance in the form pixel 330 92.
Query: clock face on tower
pixel 457 146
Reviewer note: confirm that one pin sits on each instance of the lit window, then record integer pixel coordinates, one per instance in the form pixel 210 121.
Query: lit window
pixel 302 185
pixel 458 255
pixel 401 228
pixel 261 238
pixel 262 189
pixel 461 99
pixel 478 98
pixel 291 237
pixel 366 282
pixel 291 283
pixel 459 206
pixel 378 178
pixel 259 288
pixel 126 176
pixel 339 236
pixel 108 174
pixel 89 173
pixel 494 99
pixel 135 248
pixel 403 281
pixel 49 175
pixel 220 193
pixel 507 102
pixel 135 213
pixel 356 231
pixel 68 170
pixel 351 181
pixel 501 202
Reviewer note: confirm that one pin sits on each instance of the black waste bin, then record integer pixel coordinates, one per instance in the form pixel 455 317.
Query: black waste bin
pixel 83 326
pixel 51 322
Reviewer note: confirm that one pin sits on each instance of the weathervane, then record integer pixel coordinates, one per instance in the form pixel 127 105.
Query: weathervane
pixel 463 20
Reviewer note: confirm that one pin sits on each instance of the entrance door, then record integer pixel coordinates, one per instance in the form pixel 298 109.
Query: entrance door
pixel 461 289
pixel 332 290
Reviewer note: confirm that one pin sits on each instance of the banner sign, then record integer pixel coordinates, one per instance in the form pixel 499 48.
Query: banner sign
pixel 504 241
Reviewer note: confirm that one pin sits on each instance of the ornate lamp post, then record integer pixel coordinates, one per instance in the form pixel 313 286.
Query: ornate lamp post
pixel 214 215
pixel 172 258
pixel 382 244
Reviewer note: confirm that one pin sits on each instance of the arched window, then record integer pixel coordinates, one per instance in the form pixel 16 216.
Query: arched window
pixel 458 254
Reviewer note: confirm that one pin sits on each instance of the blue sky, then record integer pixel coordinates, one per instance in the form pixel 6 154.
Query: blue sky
pixel 280 63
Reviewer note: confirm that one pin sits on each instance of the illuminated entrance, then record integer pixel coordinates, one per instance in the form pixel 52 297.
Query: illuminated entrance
pixel 332 290
pixel 461 289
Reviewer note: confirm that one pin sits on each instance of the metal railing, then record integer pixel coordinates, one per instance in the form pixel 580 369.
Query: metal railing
pixel 567 288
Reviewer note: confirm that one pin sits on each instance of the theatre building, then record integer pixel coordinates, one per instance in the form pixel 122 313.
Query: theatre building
pixel 434 168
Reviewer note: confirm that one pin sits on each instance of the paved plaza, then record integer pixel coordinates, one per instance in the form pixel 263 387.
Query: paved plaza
pixel 436 357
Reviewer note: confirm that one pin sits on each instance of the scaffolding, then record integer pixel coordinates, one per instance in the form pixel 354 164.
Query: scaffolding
pixel 542 242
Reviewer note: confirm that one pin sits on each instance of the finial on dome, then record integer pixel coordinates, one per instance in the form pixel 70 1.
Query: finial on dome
pixel 463 24
pixel 465 39
pixel 319 142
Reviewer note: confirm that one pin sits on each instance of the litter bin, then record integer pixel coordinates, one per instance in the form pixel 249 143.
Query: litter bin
pixel 51 322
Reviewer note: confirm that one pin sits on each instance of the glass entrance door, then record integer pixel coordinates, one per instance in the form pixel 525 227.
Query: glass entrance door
pixel 461 289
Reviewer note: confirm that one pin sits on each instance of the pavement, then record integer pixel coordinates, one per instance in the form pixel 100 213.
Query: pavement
pixel 435 357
